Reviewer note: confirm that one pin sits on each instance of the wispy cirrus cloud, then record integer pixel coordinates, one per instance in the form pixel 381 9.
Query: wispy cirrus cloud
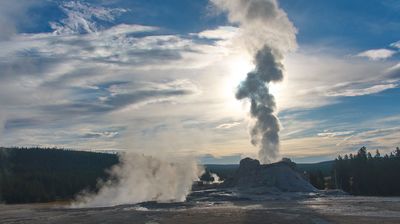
pixel 228 125
pixel 334 134
pixel 330 78
pixel 222 32
pixel 396 44
pixel 381 53
pixel 377 54
pixel 81 17
pixel 356 91
pixel 99 74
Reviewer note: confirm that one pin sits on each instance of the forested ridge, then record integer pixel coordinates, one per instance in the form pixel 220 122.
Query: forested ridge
pixel 367 174
pixel 48 174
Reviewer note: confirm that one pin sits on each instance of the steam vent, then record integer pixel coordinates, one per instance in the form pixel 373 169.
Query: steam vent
pixel 275 177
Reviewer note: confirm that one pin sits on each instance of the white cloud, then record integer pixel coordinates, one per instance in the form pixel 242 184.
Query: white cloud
pixel 123 29
pixel 331 144
pixel 318 79
pixel 81 17
pixel 363 91
pixel 292 126
pixel 335 134
pixel 377 54
pixel 222 32
pixel 394 71
pixel 310 146
pixel 389 120
pixel 396 44
pixel 385 139
pixel 228 125
pixel 104 134
pixel 126 64
pixel 111 77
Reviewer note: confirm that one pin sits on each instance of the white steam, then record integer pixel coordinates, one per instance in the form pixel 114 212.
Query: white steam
pixel 216 179
pixel 267 34
pixel 139 178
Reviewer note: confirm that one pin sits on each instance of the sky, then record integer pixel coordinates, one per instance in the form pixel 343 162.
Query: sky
pixel 160 76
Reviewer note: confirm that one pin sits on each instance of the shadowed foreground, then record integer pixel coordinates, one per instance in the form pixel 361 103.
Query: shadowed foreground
pixel 344 209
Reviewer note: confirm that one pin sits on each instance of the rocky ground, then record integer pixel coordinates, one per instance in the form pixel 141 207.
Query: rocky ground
pixel 215 206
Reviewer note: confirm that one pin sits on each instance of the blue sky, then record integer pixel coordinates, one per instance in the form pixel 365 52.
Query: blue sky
pixel 160 76
pixel 347 24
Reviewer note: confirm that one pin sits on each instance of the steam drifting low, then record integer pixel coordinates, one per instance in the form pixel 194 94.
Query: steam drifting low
pixel 139 178
pixel 266 33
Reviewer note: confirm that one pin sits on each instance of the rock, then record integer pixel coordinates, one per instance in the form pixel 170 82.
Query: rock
pixel 280 176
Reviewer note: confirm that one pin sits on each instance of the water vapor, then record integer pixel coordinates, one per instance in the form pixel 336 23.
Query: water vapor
pixel 216 179
pixel 139 178
pixel 267 34
pixel 2 123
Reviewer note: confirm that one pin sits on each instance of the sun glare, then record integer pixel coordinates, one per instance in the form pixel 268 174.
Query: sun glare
pixel 238 68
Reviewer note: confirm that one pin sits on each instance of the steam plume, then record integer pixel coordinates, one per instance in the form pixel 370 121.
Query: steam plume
pixel 216 179
pixel 268 34
pixel 140 178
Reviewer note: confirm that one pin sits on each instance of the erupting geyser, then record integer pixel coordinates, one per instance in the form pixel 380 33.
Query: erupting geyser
pixel 265 130
pixel 267 33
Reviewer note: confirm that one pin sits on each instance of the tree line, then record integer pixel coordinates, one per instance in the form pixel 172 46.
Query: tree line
pixel 49 174
pixel 366 174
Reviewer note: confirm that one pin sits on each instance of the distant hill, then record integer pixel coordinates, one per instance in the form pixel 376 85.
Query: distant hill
pixel 48 174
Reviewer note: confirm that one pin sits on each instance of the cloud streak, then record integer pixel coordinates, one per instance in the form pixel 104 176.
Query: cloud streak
pixel 228 125
pixel 363 91
pixel 81 18
pixel 377 54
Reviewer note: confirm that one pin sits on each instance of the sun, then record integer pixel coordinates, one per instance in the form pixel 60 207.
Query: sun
pixel 238 67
